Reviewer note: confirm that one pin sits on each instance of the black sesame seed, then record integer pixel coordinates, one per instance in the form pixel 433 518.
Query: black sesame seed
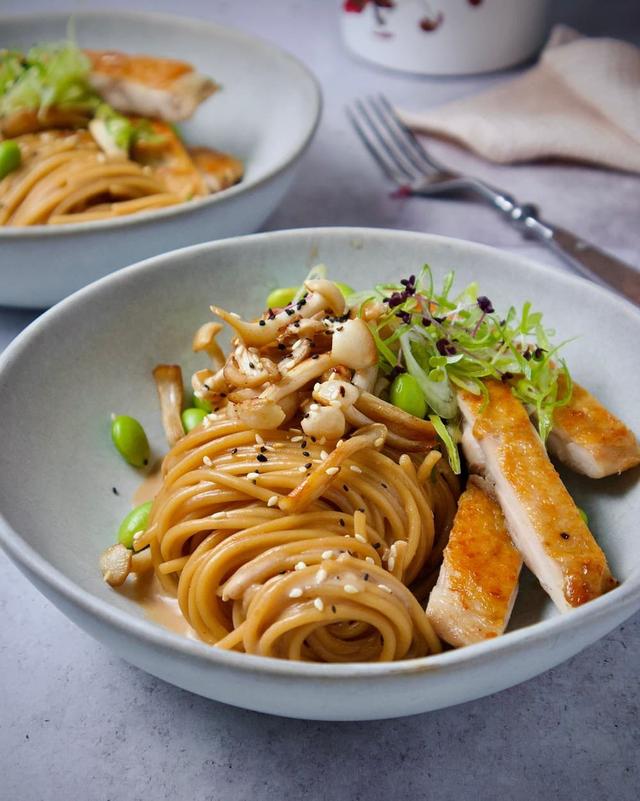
pixel 262 322
pixel 261 457
pixel 290 311
pixel 333 608
pixel 564 535
pixel 313 439
pixel 342 391
pixel 342 523
pixel 316 356
pixel 382 484
pixel 308 465
pixel 234 451
pixel 306 453
pixel 426 322
pixel 303 444
pixel 376 545
pixel 345 488
pixel 115 491
pixel 252 365
pixel 263 449
pixel 146 462
pixel 366 577
pixel 281 346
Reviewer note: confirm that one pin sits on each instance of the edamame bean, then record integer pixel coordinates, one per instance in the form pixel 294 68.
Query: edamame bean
pixel 192 418
pixel 345 288
pixel 201 403
pixel 134 522
pixel 281 297
pixel 407 395
pixel 129 438
pixel 10 157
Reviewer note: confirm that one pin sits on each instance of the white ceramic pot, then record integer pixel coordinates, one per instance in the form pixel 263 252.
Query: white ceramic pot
pixel 444 37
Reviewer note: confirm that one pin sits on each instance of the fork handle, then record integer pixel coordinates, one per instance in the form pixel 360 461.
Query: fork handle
pixel 584 257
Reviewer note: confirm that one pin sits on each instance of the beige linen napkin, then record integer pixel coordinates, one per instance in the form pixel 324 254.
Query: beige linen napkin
pixel 581 102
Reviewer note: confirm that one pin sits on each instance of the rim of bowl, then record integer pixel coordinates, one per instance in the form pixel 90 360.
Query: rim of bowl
pixel 626 596
pixel 140 218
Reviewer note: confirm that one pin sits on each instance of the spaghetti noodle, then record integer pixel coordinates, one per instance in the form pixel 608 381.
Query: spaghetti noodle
pixel 304 518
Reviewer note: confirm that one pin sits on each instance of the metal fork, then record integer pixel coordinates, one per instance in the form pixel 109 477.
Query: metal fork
pixel 406 162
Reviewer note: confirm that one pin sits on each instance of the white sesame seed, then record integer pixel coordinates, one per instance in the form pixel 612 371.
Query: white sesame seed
pixel 321 575
pixel 391 563
pixel 319 604
pixel 302 469
pixel 360 538
pixel 206 460
pixel 253 476
pixel 379 442
pixel 351 589
pixel 324 455
pixel 328 554
pixel 313 407
pixel 300 565
pixel 273 501
pixel 296 592
pixel 339 443
pixel 355 468
pixel 370 560
pixel 259 439
pixel 385 588
pixel 296 439
pixel 331 471
pixel 342 557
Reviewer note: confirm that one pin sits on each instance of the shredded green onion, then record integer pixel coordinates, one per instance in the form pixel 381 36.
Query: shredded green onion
pixel 449 341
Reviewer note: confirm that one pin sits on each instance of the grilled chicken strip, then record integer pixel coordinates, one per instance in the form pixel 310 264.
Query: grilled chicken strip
pixel 150 87
pixel 218 170
pixel 589 439
pixel 544 522
pixel 478 581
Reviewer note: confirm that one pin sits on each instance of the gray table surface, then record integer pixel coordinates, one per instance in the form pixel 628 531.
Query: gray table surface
pixel 78 723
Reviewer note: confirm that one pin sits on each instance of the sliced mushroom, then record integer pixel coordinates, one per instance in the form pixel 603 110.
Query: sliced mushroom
pixel 365 378
pixel 336 393
pixel 300 350
pixel 207 384
pixel 246 368
pixel 358 419
pixel 300 375
pixel 205 340
pixel 334 299
pixel 115 564
pixel 397 420
pixel 353 345
pixel 319 479
pixel 324 421
pixel 257 413
pixel 168 378
pixel 266 330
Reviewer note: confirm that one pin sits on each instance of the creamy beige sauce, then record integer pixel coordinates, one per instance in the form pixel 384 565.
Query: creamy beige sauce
pixel 158 607
pixel 145 589
pixel 149 488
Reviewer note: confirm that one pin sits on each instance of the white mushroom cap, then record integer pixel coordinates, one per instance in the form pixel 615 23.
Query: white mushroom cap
pixel 353 345
pixel 336 393
pixel 324 421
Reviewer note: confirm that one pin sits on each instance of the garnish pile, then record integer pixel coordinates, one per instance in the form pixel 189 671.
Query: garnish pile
pixel 448 341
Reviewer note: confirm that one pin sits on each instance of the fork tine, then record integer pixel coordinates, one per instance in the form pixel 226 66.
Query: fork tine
pixel 396 156
pixel 386 168
pixel 410 138
pixel 399 137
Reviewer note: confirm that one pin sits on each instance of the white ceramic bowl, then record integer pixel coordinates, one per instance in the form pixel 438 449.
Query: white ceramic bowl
pixel 266 115
pixel 444 37
pixel 93 354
